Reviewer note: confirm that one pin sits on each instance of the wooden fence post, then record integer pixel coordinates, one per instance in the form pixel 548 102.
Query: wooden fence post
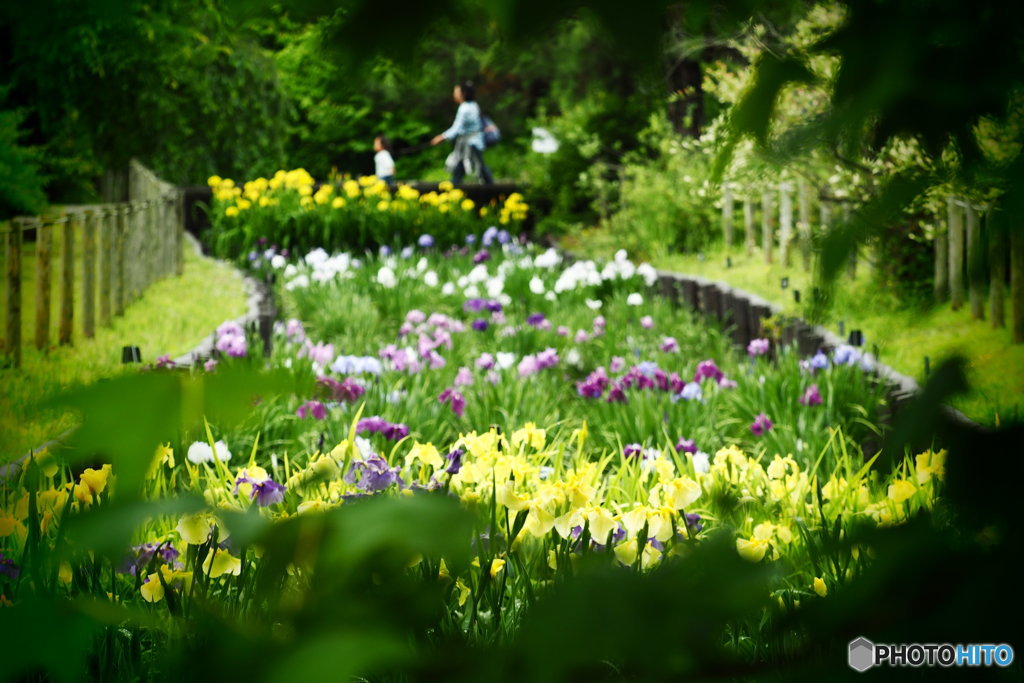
pixel 152 248
pixel 785 222
pixel 956 253
pixel 67 280
pixel 12 247
pixel 727 207
pixel 1017 283
pixel 108 227
pixel 940 289
pixel 974 264
pixel 748 223
pixel 121 218
pixel 167 236
pixel 804 222
pixel 89 276
pixel 997 261
pixel 44 258
pixel 767 225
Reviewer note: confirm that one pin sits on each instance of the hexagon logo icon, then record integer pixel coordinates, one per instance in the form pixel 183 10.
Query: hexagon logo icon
pixel 862 654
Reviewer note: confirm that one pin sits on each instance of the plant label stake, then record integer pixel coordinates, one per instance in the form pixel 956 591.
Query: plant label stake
pixel 796 295
pixel 927 366
pixel 842 328
pixel 856 338
pixel 131 354
pixel 785 283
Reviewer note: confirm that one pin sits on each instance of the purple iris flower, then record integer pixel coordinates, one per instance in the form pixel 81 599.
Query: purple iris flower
pixel 425 241
pixel 616 395
pixel 138 559
pixel 455 399
pixel 758 347
pixel 669 345
pixel 693 522
pixel 547 358
pixel 819 361
pixel 493 305
pixel 632 450
pixel 481 256
pixel 480 324
pixel 314 409
pixel 706 369
pixel 470 239
pixel 489 236
pixel 504 237
pixel 762 425
pixel 372 474
pixel 845 355
pixel 454 461
pixel 647 322
pixel 395 431
pixel 268 492
pixel 347 390
pixel 811 397
pixel 8 568
pixel 265 492
pixel 464 377
pixel 686 446
pixel 535 319
pixel 594 384
pixel 374 423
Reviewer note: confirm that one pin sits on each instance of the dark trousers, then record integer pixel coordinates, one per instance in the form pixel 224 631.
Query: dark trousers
pixel 477 163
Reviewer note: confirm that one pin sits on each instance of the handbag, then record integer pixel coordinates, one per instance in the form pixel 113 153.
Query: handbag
pixel 492 134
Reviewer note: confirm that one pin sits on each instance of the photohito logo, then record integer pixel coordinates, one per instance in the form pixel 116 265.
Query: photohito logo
pixel 863 654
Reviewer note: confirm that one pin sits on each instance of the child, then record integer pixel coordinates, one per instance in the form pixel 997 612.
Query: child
pixel 384 165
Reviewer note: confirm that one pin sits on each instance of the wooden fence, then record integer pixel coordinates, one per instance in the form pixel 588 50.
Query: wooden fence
pixel 972 259
pixel 105 256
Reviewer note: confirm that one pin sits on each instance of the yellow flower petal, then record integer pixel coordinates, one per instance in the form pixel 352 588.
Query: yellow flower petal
pixel 901 490
pixel 752 550
pixel 152 590
pixel 194 529
pixel 497 564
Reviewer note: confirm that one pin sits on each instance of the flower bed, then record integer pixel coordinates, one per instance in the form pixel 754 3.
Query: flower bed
pixel 473 429
pixel 292 211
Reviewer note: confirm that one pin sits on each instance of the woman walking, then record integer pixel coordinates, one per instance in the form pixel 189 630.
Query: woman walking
pixel 467 131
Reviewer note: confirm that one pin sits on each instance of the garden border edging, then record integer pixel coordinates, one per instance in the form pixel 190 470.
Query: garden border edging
pixel 744 311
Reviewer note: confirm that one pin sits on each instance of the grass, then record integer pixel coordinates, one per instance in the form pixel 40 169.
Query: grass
pixel 172 317
pixel 904 335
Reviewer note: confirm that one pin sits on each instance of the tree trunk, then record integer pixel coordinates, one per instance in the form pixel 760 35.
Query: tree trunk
pixel 804 224
pixel 1017 283
pixel 997 260
pixel 956 254
pixel 975 265
pixel 767 225
pixel 940 287
pixel 727 207
pixel 748 224
pixel 785 222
